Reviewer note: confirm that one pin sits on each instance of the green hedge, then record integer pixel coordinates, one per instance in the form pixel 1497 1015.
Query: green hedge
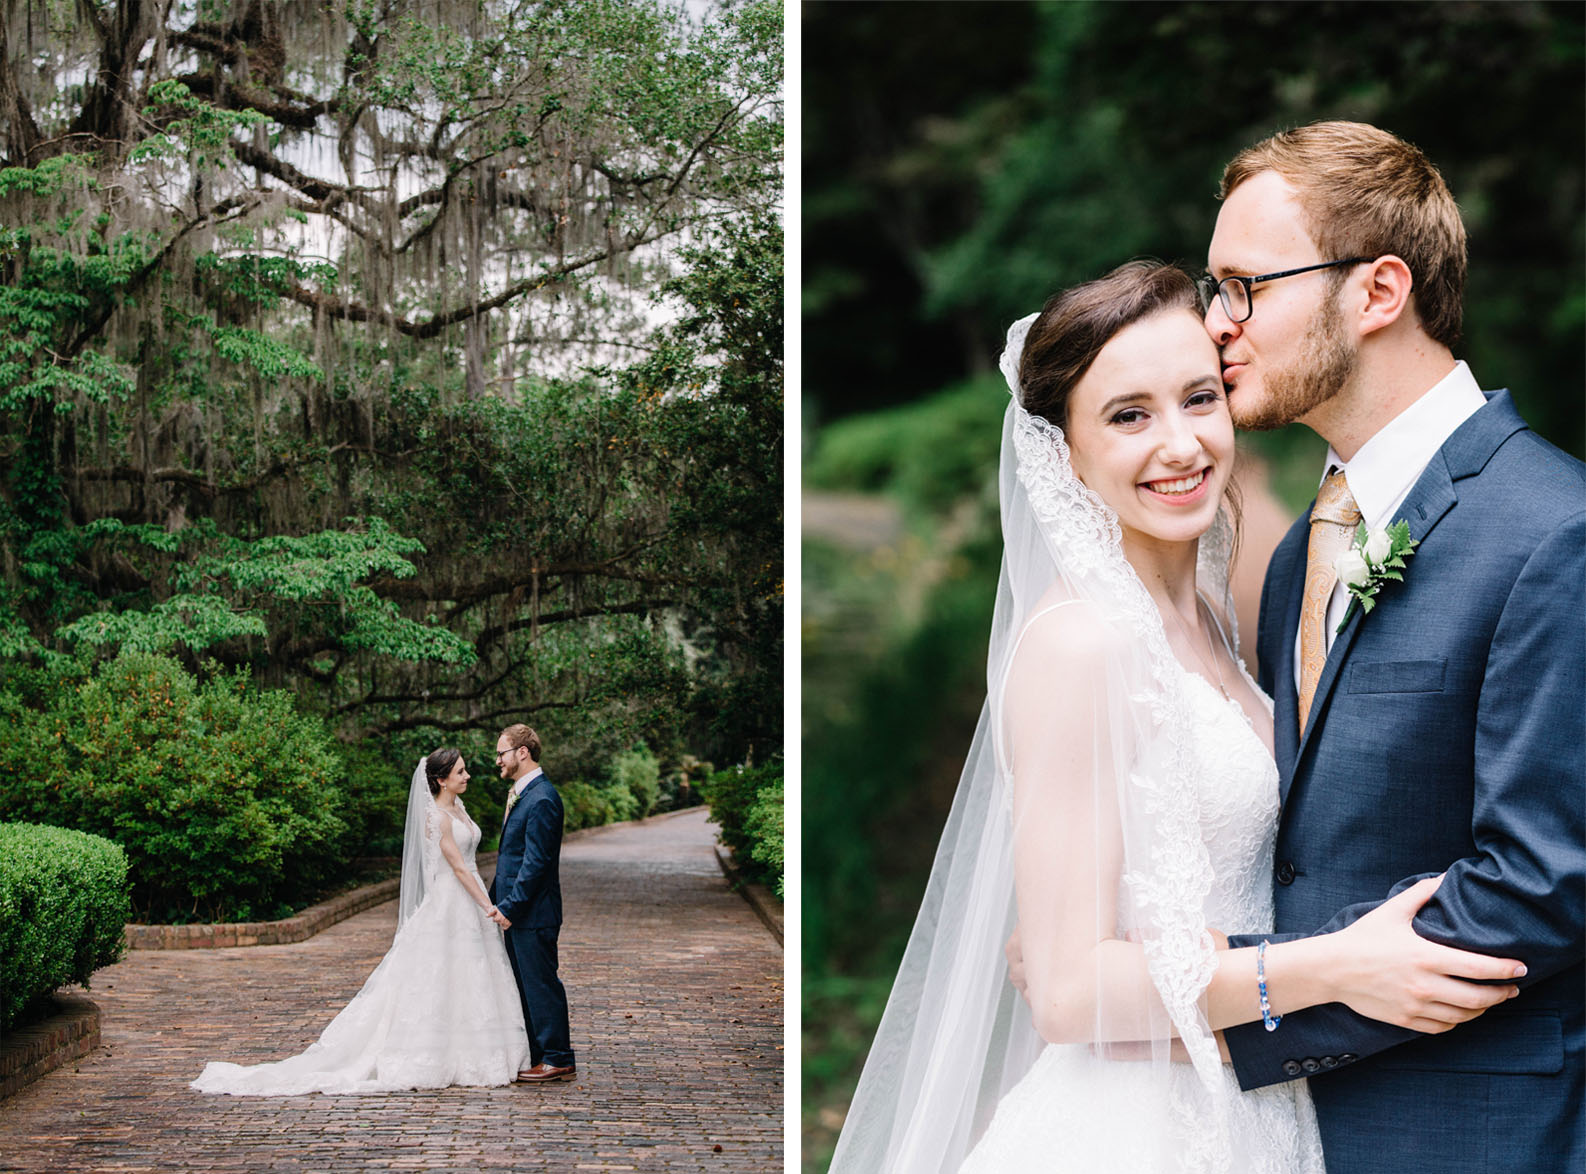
pixel 747 803
pixel 227 801
pixel 63 903
pixel 765 831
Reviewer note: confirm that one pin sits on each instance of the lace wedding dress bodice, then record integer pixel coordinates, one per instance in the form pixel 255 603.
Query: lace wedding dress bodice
pixel 1077 1112
pixel 442 1008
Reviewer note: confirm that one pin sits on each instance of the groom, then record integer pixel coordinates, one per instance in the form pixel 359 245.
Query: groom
pixel 528 896
pixel 1443 731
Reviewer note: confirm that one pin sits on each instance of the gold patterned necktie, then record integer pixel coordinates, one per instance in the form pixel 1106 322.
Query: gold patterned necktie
pixel 512 799
pixel 1334 518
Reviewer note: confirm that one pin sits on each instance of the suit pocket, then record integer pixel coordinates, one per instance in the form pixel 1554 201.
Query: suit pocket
pixel 1397 676
pixel 1530 1043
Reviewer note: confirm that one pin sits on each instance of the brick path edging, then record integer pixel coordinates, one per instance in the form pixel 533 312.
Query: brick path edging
pixel 766 905
pixel 304 925
pixel 31 1052
pixel 263 933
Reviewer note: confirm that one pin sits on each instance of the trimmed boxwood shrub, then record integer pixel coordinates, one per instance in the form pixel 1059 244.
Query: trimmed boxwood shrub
pixel 63 903
pixel 226 800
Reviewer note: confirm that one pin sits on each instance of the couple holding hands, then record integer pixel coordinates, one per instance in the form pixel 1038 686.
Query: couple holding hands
pixel 468 993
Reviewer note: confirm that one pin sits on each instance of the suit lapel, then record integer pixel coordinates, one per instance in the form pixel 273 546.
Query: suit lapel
pixel 1464 455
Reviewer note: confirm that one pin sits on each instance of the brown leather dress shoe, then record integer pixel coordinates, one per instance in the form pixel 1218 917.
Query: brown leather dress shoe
pixel 543 1073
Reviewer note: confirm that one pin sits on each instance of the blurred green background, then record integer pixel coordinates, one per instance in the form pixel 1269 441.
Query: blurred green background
pixel 961 162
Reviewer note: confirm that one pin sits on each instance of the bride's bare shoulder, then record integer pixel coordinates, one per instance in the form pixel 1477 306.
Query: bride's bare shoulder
pixel 1070 631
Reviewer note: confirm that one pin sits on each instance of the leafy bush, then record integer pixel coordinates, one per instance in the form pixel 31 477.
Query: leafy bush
pixel 63 902
pixel 928 454
pixel 379 772
pixel 227 801
pixel 734 795
pixel 584 806
pixel 765 830
pixel 640 772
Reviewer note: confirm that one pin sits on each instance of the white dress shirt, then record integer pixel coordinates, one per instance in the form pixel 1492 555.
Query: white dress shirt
pixel 517 787
pixel 1389 464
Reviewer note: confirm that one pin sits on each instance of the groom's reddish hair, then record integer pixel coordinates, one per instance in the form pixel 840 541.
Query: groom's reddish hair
pixel 1365 193
pixel 519 736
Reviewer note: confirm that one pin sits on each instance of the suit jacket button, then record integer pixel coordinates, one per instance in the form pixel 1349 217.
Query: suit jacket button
pixel 1348 1058
pixel 1286 873
pixel 1329 1063
pixel 1291 1068
pixel 1309 1065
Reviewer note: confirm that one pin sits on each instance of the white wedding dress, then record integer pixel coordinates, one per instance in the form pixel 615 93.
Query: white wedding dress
pixel 442 1008
pixel 1075 1111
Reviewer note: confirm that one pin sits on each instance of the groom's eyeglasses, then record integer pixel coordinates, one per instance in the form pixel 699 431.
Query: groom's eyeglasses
pixel 1234 292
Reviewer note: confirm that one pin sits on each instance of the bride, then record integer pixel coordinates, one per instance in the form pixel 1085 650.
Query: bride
pixel 442 1007
pixel 1118 807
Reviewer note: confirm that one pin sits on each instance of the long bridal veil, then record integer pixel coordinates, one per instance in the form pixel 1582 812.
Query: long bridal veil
pixel 956 1036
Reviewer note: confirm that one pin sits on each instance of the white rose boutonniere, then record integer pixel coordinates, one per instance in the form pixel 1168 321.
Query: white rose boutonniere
pixel 1371 560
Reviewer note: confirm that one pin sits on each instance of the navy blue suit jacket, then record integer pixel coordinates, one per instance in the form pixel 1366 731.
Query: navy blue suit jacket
pixel 527 887
pixel 1447 733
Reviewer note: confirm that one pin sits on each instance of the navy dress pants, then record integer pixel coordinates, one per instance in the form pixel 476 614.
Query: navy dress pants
pixel 532 953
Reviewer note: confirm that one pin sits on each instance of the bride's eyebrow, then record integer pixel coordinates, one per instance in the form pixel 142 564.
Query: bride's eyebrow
pixel 1117 401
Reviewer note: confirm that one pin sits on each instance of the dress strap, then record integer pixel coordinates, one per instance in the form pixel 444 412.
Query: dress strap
pixel 1013 654
pixel 1218 623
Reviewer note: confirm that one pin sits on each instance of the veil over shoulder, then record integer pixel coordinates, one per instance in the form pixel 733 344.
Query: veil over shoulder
pixel 956 1036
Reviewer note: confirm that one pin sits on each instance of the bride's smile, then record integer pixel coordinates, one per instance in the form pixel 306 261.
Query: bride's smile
pixel 1149 430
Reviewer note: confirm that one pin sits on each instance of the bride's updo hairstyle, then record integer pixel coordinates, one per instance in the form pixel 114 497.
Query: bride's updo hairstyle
pixel 438 765
pixel 1075 324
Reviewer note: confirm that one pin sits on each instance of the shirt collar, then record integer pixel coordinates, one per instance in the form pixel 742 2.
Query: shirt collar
pixel 518 787
pixel 1388 464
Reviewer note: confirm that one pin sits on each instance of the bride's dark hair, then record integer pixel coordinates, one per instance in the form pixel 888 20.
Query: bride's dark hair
pixel 438 765
pixel 1074 325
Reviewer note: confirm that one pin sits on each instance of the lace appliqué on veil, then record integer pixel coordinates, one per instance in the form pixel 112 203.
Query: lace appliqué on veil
pixel 1169 886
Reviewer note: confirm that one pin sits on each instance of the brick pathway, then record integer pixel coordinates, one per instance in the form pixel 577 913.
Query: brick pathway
pixel 676 996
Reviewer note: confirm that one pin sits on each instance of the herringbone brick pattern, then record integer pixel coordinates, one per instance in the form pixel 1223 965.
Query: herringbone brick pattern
pixel 676 996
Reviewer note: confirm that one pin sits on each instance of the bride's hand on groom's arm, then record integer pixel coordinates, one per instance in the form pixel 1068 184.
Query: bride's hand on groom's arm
pixel 1380 967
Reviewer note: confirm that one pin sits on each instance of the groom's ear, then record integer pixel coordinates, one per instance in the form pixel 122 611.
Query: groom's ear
pixel 1380 295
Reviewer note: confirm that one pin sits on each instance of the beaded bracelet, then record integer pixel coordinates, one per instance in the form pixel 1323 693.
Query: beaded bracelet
pixel 1268 1019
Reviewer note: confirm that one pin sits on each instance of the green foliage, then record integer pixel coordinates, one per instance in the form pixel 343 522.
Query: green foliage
pixel 746 801
pixel 960 166
pixel 226 801
pixel 712 392
pixel 638 772
pixel 764 825
pixel 63 902
pixel 226 586
pixel 368 437
pixel 929 455
pixel 194 130
pixel 585 805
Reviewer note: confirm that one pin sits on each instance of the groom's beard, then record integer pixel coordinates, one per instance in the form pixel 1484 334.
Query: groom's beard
pixel 1325 363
